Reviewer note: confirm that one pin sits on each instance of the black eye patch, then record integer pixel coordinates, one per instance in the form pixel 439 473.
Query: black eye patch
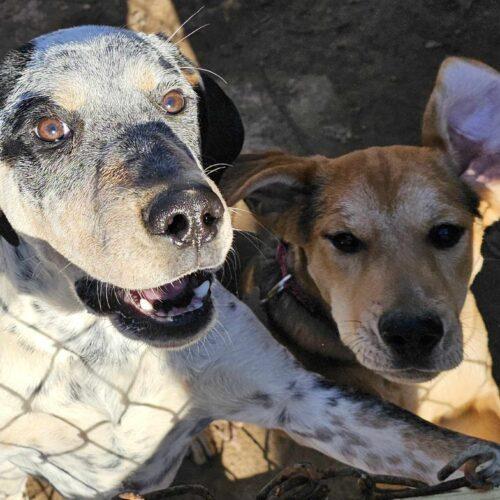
pixel 28 110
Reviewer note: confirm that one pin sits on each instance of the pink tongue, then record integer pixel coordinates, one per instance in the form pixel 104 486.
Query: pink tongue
pixel 166 292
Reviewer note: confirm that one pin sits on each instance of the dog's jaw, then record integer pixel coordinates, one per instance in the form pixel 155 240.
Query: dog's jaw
pixel 172 316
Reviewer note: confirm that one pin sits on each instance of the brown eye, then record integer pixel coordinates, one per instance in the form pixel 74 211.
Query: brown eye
pixel 52 130
pixel 445 236
pixel 173 102
pixel 346 242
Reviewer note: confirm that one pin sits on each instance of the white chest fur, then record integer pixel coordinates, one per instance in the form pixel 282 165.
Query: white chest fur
pixel 64 409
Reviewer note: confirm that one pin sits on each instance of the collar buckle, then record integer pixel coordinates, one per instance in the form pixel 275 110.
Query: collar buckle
pixel 276 289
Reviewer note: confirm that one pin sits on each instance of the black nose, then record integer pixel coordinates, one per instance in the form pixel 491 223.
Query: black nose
pixel 189 216
pixel 410 335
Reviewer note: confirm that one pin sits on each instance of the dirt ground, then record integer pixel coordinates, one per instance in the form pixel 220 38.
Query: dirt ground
pixel 326 77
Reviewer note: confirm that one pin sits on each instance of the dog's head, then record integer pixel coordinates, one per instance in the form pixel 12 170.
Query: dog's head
pixel 103 137
pixel 385 233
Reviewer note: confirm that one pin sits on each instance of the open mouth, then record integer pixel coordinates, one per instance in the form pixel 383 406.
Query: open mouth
pixel 172 315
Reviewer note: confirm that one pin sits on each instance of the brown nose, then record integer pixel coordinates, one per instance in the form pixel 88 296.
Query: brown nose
pixel 188 217
pixel 411 336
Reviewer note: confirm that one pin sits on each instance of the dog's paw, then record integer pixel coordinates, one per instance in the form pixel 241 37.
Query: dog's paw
pixel 480 463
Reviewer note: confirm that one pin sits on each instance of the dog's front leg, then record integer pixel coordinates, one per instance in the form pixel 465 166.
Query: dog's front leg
pixel 256 380
pixel 365 432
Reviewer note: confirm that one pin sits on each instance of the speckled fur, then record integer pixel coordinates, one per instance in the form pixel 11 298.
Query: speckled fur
pixel 96 413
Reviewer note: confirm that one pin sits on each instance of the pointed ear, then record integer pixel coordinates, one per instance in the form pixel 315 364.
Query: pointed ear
pixel 271 184
pixel 463 118
pixel 221 129
pixel 7 231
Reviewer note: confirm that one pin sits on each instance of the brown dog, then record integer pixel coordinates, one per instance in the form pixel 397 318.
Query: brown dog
pixel 369 285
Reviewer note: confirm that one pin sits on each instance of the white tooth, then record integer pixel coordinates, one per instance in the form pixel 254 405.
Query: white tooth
pixel 146 305
pixel 202 290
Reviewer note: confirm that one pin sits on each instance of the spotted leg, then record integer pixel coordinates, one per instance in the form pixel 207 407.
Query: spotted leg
pixel 254 379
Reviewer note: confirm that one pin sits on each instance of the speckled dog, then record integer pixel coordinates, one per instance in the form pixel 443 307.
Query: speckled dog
pixel 116 344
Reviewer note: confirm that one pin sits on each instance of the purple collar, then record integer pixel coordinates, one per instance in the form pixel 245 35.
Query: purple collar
pixel 290 284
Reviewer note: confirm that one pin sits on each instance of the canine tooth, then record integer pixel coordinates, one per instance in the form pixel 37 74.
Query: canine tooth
pixel 202 290
pixel 146 305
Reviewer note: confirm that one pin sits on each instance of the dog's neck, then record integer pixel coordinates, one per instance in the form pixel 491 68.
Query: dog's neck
pixel 40 307
pixel 298 310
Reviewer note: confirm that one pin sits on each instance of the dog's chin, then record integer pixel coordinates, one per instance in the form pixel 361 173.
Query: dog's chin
pixel 173 315
pixel 409 376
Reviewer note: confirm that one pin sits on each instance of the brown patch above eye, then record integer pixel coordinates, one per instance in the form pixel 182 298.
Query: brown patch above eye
pixel 70 96
pixel 191 75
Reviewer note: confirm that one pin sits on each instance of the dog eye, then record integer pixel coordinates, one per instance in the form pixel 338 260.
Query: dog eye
pixel 173 102
pixel 346 242
pixel 52 130
pixel 445 235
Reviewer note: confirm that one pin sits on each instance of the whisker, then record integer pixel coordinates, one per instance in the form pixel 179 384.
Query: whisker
pixel 184 23
pixel 192 33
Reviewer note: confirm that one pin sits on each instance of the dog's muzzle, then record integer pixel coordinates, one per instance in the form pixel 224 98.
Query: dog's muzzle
pixel 172 315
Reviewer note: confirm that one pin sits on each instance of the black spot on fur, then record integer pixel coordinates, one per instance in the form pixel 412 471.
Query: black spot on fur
pixel 164 63
pixel 323 383
pixel 262 399
pixel 232 306
pixel 324 434
pixel 12 68
pixel 283 417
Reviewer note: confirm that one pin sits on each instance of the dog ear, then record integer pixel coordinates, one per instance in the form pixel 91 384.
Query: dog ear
pixel 11 69
pixel 221 128
pixel 463 118
pixel 7 231
pixel 271 184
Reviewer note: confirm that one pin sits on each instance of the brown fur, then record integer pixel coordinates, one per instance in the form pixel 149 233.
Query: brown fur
pixel 389 197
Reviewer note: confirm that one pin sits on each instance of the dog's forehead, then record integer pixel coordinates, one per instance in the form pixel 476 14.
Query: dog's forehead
pixel 85 61
pixel 381 186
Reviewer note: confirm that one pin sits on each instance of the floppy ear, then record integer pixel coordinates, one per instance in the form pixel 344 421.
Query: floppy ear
pixel 463 118
pixel 7 232
pixel 221 129
pixel 11 69
pixel 271 184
